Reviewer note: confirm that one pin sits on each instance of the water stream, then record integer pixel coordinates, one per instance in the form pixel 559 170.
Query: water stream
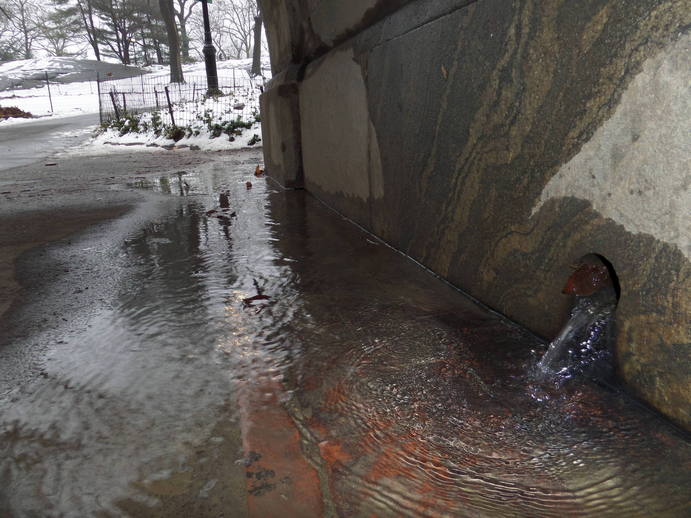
pixel 584 344
pixel 280 362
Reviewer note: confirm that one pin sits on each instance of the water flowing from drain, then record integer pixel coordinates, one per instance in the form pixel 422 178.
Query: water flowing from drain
pixel 584 344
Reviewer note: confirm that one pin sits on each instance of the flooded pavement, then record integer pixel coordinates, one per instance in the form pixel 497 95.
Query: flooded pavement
pixel 280 362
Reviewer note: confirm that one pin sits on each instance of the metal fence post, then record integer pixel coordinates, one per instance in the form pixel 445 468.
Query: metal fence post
pixel 158 106
pixel 170 106
pixel 98 89
pixel 50 97
pixel 115 105
pixel 124 102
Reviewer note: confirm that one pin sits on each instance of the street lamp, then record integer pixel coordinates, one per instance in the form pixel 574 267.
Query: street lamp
pixel 209 53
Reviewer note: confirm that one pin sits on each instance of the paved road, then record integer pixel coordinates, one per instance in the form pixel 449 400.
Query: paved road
pixel 23 144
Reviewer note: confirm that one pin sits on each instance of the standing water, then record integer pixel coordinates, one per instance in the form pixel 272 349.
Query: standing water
pixel 280 362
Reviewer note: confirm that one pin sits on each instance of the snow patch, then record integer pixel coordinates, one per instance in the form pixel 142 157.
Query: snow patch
pixel 77 98
pixel 111 141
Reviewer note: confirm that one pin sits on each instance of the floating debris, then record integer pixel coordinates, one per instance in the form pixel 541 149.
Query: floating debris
pixel 224 200
pixel 250 300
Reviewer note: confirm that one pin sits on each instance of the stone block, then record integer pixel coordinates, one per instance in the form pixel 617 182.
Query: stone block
pixel 484 113
pixel 336 133
pixel 499 142
pixel 335 20
pixel 281 130
pixel 289 32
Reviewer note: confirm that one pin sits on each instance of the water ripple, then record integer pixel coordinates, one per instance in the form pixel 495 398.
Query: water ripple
pixel 289 324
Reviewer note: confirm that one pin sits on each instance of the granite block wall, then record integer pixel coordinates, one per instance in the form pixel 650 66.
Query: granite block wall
pixel 498 143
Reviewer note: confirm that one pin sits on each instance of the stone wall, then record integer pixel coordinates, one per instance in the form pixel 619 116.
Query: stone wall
pixel 497 143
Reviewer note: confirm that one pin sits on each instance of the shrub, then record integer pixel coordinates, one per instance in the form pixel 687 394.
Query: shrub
pixel 13 111
pixel 174 132
pixel 156 123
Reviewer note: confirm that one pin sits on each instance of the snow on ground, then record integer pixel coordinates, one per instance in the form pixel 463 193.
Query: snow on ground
pixel 76 98
pixel 201 119
pixel 208 123
pixel 68 100
pixel 111 141
pixel 30 73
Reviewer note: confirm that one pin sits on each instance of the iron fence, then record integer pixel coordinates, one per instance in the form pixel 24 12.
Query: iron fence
pixel 180 104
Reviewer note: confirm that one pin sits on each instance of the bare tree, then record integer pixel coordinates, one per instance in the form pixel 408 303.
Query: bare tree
pixel 24 16
pixel 183 12
pixel 239 26
pixel 10 40
pixel 257 52
pixel 168 14
pixel 86 12
pixel 232 27
pixel 83 11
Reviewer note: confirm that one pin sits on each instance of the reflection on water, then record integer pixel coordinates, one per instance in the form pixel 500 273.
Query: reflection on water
pixel 281 363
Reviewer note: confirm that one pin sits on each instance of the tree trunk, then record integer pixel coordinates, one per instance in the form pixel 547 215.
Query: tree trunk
pixel 27 47
pixel 145 49
pixel 257 53
pixel 125 48
pixel 156 44
pixel 25 31
pixel 88 20
pixel 159 54
pixel 184 41
pixel 184 37
pixel 91 27
pixel 167 11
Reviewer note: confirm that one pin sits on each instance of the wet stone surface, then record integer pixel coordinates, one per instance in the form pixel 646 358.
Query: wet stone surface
pixel 280 362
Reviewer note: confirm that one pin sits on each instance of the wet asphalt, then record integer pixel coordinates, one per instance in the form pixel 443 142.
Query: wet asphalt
pixel 25 143
pixel 166 356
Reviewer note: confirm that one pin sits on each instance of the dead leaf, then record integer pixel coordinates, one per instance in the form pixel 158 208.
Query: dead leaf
pixel 444 72
pixel 248 185
pixel 248 301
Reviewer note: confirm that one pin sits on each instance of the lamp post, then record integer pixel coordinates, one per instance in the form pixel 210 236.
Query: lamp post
pixel 209 53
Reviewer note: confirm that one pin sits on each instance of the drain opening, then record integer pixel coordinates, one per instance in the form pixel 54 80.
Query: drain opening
pixel 594 276
pixel 584 346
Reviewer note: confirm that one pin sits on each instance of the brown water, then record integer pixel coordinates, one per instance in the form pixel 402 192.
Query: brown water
pixel 356 385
